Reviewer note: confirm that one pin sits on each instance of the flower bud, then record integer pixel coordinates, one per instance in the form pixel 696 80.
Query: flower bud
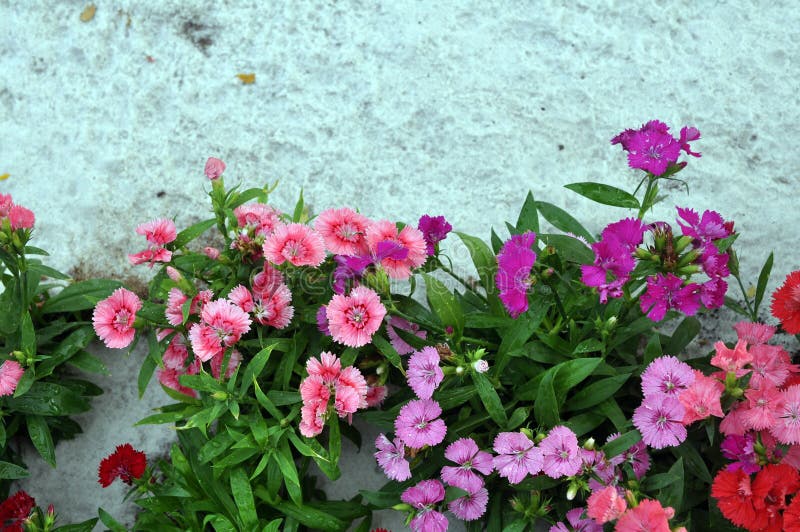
pixel 459 370
pixel 682 242
pixel 219 396
pixel 174 274
pixel 589 444
pixel 572 490
pixel 211 252
pixel 214 168
pixel 480 366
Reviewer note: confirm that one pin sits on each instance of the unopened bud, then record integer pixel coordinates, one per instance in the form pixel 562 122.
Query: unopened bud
pixel 459 370
pixel 211 253
pixel 219 396
pixel 682 242
pixel 572 490
pixel 480 366
pixel 174 274
pixel 589 444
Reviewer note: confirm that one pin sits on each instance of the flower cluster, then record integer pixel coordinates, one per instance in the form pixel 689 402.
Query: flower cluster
pixel 13 216
pixel 327 379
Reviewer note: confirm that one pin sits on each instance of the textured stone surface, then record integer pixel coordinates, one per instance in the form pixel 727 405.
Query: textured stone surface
pixel 413 107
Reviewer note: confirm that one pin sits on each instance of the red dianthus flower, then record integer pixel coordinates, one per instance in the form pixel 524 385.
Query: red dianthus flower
pixel 125 462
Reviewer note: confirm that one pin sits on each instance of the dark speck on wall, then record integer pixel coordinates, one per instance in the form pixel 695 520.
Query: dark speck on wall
pixel 160 194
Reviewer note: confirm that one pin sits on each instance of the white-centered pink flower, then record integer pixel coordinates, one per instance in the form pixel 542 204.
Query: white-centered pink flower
pixel 343 231
pixel 297 244
pixel 223 323
pixel 113 318
pixel 354 318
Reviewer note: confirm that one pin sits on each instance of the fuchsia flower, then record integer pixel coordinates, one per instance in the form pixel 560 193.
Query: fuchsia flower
pixel 353 319
pixel 222 324
pixel 578 522
pixel 517 456
pixel 408 247
pixel 560 455
pixel 659 419
pixel 605 505
pixel 638 459
pixel 613 264
pixel 787 428
pixel 343 230
pixel 295 243
pixel 471 506
pixel 652 148
pixel 702 398
pixel 470 459
pixel 322 320
pixel 424 497
pixel 400 345
pixel 740 449
pixel 666 375
pixel 514 266
pixel 418 424
pixel 21 218
pixel 113 318
pixel 628 232
pixel 214 168
pixel 434 230
pixel 689 134
pixel 666 292
pixel 706 228
pixel 424 374
pixel 10 373
pixel 391 458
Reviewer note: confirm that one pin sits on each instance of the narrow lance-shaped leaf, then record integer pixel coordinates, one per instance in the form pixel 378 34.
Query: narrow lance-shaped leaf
pixel 605 194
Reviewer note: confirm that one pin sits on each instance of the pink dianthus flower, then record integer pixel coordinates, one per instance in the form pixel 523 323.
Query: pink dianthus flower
pixel 514 266
pixel 234 359
pixel 424 497
pixel 560 456
pixel 732 360
pixel 343 230
pixel 418 424
pixel 242 298
pixel 652 150
pixel 659 419
pixel 21 218
pixel 223 323
pixel 274 309
pixel 434 230
pixel 113 318
pixel 666 292
pixel 409 240
pixel 754 333
pixel 666 375
pixel 470 459
pixel 702 398
pixel 214 168
pixel 649 515
pixel 376 395
pixel 706 228
pixel 150 256
pixel 10 373
pixel 354 318
pixel 787 428
pixel 517 456
pixel 471 506
pixel 295 243
pixel 400 345
pixel 261 218
pixel 158 232
pixel 391 458
pixel 771 365
pixel 424 374
pixel 605 505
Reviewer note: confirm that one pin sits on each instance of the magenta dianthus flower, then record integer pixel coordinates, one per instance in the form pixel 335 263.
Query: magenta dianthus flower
pixel 424 374
pixel 706 228
pixel 653 151
pixel 560 455
pixel 659 419
pixel 418 424
pixel 629 232
pixel 434 230
pixel 741 450
pixel 666 375
pixel 391 458
pixel 613 263
pixel 666 292
pixel 424 497
pixel 401 346
pixel 513 279
pixel 470 459
pixel 471 506
pixel 517 456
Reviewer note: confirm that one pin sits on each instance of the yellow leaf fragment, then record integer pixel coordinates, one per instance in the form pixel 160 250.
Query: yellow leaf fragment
pixel 247 79
pixel 88 13
pixel 751 292
pixel 3 177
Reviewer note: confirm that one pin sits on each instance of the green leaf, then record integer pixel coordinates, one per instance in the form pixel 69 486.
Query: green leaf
pixel 695 462
pixel 622 443
pixel 69 346
pixel 545 408
pixel 48 399
pixel 312 448
pixel 47 271
pixel 485 265
pixel 33 250
pixel 82 295
pixel 519 333
pixel 518 417
pixel 672 495
pixel 145 374
pixel 387 350
pixel 41 438
pixel 85 526
pixel 25 383
pixel 591 345
pixel 444 305
pixel 528 216
pixel 334 440
pixel 683 335
pixel 652 350
pixel 254 368
pixel 12 471
pixel 273 526
pixel 310 517
pixel 299 208
pixel 246 195
pixel 561 219
pixel 597 392
pixel 571 373
pixel 289 472
pixel 110 522
pixel 87 362
pixel 453 397
pixel 192 232
pixel 490 399
pixel 243 495
pixel 605 194
pixel 658 481
pixel 763 277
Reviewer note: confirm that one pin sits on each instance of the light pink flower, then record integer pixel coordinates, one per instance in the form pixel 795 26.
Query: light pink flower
pixel 702 398
pixel 764 405
pixel 471 506
pixel 353 319
pixel 517 456
pixel 275 310
pixel 649 515
pixel 771 365
pixel 391 458
pixel 411 242
pixel 327 368
pixel 659 419
pixel 214 168
pixel 470 459
pixel 343 231
pixel 351 391
pixel 6 202
pixel 234 360
pixel 754 333
pixel 175 355
pixel 174 310
pixel 733 423
pixel 424 374
pixel 266 281
pixel 418 424
pixel 423 497
pixel 10 373
pixel 261 218
pixel 295 243
pixel 114 316
pixel 605 505
pixel 211 252
pixel 150 256
pixel 787 428
pixel 313 418
pixel 168 377
pixel 560 456
pixel 223 323
pixel 732 360
pixel 21 218
pixel 400 345
pixel 666 375
pixel 158 232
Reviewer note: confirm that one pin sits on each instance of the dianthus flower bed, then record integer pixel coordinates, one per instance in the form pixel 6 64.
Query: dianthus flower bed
pixel 539 390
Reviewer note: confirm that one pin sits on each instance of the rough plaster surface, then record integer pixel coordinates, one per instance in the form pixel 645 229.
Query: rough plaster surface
pixel 398 108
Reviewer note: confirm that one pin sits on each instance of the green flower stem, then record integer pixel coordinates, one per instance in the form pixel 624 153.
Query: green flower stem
pixel 752 312
pixel 647 202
